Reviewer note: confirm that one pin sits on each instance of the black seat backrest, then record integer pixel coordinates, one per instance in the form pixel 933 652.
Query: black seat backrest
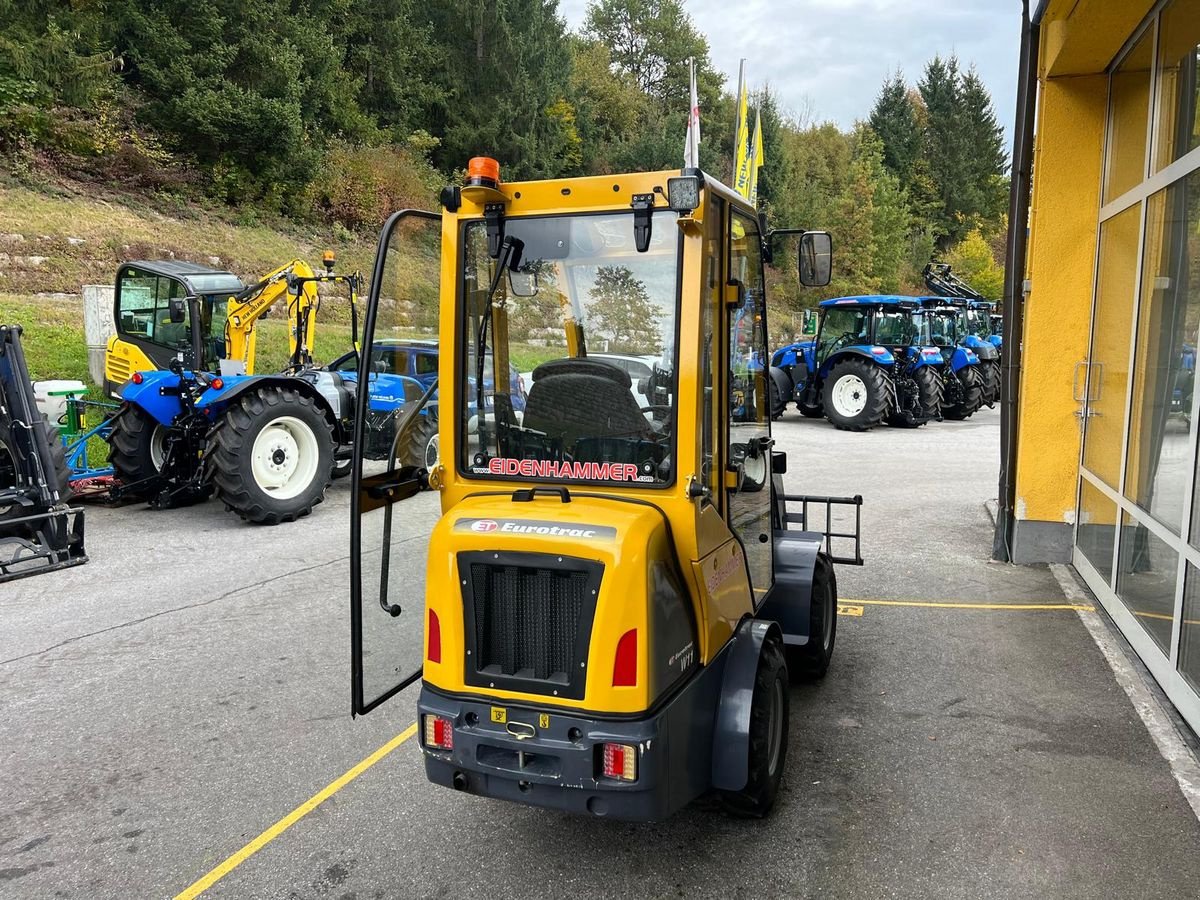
pixel 583 398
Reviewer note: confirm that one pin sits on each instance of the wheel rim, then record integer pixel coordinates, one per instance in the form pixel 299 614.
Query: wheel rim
pixel 284 458
pixel 158 447
pixel 849 395
pixel 775 728
pixel 431 451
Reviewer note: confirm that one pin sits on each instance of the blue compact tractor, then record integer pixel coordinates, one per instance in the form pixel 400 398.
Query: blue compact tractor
pixel 866 365
pixel 962 378
pixel 976 327
pixel 267 445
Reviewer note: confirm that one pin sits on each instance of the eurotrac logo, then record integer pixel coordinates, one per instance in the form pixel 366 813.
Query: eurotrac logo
pixel 537 528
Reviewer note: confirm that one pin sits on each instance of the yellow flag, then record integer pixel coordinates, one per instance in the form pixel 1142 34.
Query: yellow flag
pixel 741 138
pixel 756 159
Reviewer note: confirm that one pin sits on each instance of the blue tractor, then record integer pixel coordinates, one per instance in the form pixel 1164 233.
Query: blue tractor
pixel 975 328
pixel 866 365
pixel 942 325
pixel 267 445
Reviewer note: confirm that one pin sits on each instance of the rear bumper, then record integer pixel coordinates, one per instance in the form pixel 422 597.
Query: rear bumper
pixel 558 766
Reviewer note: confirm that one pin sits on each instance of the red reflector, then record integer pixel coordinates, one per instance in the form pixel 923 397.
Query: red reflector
pixel 216 384
pixel 625 661
pixel 439 733
pixel 434 638
pixel 137 378
pixel 620 761
pixel 878 351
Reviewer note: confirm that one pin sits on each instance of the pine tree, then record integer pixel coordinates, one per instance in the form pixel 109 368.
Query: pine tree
pixel 944 147
pixel 894 120
pixel 988 161
pixel 619 308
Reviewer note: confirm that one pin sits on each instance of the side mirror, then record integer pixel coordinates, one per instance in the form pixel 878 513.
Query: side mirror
pixel 523 284
pixel 816 258
pixel 177 309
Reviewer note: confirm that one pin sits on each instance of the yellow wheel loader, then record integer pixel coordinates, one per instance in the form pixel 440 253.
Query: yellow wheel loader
pixel 604 594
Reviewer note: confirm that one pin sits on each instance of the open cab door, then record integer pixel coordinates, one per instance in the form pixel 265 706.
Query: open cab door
pixel 392 513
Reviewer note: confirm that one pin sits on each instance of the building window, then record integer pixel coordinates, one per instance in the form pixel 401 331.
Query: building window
pixel 1128 110
pixel 1178 125
pixel 1146 580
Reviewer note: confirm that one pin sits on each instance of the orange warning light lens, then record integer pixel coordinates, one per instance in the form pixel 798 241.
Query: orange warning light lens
pixel 482 170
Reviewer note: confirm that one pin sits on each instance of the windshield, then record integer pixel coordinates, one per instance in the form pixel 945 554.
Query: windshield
pixel 979 323
pixel 943 327
pixel 895 329
pixel 563 326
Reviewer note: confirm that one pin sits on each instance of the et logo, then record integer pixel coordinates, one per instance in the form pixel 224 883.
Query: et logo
pixel 483 526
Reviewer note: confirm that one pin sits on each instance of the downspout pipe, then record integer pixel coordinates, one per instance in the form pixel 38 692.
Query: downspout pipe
pixel 1015 254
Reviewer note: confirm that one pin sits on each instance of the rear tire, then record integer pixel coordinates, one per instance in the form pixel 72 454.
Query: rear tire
pixel 856 395
pixel 271 455
pixel 136 449
pixel 778 404
pixel 768 738
pixel 991 382
pixel 812 660
pixel 969 394
pixel 421 443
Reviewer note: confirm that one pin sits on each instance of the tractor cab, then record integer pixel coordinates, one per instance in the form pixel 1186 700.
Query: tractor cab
pixel 591 588
pixel 167 310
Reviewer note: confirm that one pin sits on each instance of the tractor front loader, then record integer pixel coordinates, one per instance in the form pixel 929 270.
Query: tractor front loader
pixel 604 600
pixel 39 529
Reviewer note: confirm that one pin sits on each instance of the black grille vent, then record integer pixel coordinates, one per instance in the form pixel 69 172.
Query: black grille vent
pixel 529 620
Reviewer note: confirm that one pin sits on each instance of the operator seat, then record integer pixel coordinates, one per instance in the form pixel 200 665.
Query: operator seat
pixel 573 399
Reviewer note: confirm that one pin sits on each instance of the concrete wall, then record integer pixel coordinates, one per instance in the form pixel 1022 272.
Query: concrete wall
pixel 98 326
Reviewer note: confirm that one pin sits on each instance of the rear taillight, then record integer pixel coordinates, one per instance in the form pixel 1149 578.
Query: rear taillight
pixel 439 733
pixel 620 762
pixel 136 378
pixel 434 638
pixel 625 660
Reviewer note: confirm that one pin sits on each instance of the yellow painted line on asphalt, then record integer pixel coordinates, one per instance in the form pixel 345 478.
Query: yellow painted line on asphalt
pixel 203 884
pixel 849 609
pixel 940 604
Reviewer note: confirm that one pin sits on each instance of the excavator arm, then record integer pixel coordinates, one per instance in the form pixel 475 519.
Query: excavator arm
pixel 298 283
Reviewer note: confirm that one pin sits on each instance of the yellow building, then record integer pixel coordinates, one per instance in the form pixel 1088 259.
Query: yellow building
pixel 1100 449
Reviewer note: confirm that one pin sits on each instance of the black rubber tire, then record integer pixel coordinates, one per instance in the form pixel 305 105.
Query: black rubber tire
pixel 58 463
pixel 770 699
pixel 229 455
pixel 130 449
pixel 991 382
pixel 971 395
pixel 778 404
pixel 341 468
pixel 878 399
pixel 929 395
pixel 811 661
pixel 811 411
pixel 420 444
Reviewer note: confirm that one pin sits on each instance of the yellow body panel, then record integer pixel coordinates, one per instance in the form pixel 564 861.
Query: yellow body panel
pixel 709 557
pixel 637 540
pixel 122 359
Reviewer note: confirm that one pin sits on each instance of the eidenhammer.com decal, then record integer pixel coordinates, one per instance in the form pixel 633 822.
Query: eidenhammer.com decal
pixel 536 527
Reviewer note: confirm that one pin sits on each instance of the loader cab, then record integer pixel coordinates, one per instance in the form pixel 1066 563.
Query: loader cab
pixel 164 310
pixel 581 566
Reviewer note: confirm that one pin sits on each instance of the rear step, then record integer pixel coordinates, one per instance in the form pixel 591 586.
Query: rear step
pixel 803 520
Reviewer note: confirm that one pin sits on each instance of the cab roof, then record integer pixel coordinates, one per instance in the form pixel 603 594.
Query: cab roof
pixel 198 279
pixel 872 300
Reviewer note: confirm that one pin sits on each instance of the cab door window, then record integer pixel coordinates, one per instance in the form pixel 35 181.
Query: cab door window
pixel 144 309
pixel 749 453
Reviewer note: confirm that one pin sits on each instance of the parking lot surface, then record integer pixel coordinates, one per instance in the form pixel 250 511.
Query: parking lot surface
pixel 188 689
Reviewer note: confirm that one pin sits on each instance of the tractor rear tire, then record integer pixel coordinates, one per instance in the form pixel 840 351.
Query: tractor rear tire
pixel 811 661
pixel 271 455
pixel 929 400
pixel 970 394
pixel 856 395
pixel 991 382
pixel 778 404
pixel 136 450
pixel 58 463
pixel 768 737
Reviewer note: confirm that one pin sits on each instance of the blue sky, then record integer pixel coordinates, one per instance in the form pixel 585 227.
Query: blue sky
pixel 828 58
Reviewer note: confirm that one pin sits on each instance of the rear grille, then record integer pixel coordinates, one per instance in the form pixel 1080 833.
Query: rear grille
pixel 119 369
pixel 529 620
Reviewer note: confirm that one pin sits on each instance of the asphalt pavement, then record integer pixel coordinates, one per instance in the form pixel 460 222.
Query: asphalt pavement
pixel 188 689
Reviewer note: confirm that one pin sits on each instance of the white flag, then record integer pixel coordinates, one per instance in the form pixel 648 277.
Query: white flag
pixel 691 149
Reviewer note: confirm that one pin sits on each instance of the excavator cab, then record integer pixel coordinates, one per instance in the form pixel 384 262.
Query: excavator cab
pixel 603 593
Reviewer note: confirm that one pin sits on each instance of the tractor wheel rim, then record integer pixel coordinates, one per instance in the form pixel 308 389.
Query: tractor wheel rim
pixel 775 726
pixel 431 452
pixel 284 457
pixel 849 395
pixel 158 447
